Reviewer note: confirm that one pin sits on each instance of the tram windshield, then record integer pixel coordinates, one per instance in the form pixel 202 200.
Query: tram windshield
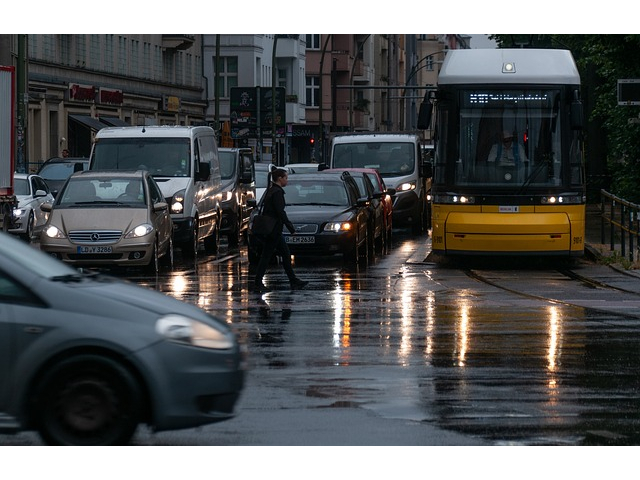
pixel 506 138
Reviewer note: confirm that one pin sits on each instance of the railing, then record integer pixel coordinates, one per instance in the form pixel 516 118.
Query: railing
pixel 623 219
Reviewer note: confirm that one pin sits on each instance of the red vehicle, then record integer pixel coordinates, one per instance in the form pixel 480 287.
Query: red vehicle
pixel 380 194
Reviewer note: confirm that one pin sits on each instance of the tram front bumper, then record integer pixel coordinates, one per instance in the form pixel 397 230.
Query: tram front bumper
pixel 481 233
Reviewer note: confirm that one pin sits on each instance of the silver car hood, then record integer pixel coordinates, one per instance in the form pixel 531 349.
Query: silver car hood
pixel 99 218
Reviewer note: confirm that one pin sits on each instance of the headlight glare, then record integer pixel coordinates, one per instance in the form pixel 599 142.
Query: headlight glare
pixel 140 231
pixel 180 329
pixel 54 232
pixel 338 227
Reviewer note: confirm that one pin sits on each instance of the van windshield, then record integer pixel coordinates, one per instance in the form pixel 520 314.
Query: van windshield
pixel 227 164
pixel 162 157
pixel 392 159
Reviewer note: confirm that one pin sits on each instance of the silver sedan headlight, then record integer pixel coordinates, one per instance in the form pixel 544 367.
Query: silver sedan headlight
pixel 140 231
pixel 177 328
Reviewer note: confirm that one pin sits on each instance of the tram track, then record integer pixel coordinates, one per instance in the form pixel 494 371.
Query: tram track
pixel 610 285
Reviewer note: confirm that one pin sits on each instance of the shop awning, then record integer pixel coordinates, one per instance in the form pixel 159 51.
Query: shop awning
pixel 87 121
pixel 114 122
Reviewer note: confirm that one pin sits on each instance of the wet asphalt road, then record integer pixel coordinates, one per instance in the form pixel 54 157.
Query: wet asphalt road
pixel 407 351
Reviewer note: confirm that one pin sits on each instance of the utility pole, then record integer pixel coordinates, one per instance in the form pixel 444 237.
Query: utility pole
pixel 22 99
pixel 274 78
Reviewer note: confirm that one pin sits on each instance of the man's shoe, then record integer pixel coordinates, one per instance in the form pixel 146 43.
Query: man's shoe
pixel 260 288
pixel 298 284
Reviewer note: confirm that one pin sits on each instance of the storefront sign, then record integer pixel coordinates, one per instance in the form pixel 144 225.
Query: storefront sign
pixel 111 96
pixel 82 93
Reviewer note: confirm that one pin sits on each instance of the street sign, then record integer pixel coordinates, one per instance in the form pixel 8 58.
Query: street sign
pixel 629 91
pixel 245 118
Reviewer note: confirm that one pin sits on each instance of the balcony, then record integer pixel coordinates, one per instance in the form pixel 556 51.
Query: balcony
pixel 177 42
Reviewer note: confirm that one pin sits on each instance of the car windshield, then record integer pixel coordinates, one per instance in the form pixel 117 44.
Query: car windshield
pixel 57 171
pixel 392 159
pixel 32 259
pixel 21 186
pixel 82 190
pixel 164 157
pixel 227 165
pixel 312 192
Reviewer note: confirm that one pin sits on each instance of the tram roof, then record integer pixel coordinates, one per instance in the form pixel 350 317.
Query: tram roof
pixel 490 66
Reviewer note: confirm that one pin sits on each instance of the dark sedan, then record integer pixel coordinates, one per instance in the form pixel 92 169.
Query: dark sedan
pixel 329 215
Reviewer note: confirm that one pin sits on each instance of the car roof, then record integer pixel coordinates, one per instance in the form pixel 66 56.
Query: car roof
pixel 98 174
pixel 66 160
pixel 354 169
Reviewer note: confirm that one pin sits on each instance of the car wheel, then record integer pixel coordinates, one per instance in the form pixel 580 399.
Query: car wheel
pixel 168 258
pixel 29 228
pixel 88 400
pixel 154 264
pixel 418 223
pixel 363 253
pixel 212 242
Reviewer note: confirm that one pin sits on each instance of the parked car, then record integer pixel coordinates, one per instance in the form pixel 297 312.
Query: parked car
pixel 309 167
pixel 110 218
pixel 55 171
pixel 31 191
pixel 85 358
pixel 382 201
pixel 238 186
pixel 262 180
pixel 329 216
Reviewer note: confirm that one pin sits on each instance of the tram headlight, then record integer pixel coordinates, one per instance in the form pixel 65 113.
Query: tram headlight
pixel 452 198
pixel 563 199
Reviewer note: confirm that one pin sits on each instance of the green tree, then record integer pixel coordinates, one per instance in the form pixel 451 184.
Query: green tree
pixel 602 60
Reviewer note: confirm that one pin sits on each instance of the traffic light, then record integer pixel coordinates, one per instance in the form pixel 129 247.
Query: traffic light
pixel 312 141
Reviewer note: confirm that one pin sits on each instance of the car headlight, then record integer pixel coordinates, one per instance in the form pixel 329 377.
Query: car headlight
pixel 407 186
pixel 338 227
pixel 188 331
pixel 18 212
pixel 140 231
pixel 54 232
pixel 177 203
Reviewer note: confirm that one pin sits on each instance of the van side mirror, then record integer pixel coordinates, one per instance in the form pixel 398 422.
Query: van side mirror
pixel 204 171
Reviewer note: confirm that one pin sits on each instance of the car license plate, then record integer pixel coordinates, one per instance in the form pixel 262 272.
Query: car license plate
pixel 300 239
pixel 95 249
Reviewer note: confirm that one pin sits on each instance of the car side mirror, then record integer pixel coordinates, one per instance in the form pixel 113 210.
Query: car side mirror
pixel 160 206
pixel 391 192
pixel 46 207
pixel 39 193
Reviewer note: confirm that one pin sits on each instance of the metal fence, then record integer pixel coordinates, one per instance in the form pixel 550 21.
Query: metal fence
pixel 621 220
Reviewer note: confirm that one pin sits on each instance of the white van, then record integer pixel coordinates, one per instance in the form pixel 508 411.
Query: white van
pixel 398 157
pixel 184 162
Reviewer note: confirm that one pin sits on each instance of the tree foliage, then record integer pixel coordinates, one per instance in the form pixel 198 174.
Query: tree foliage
pixel 602 60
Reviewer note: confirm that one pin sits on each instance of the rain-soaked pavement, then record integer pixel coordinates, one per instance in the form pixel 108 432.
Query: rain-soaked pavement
pixel 410 351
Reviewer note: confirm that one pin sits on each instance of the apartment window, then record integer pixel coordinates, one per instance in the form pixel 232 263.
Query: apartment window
pixel 122 56
pixel 313 41
pixel 228 73
pixel 108 53
pixel 313 91
pixel 429 63
pixel 282 77
pixel 146 60
pixel 65 49
pixel 135 57
pixel 81 51
pixel 94 52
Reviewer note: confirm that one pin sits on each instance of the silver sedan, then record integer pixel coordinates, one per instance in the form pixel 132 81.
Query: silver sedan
pixel 85 359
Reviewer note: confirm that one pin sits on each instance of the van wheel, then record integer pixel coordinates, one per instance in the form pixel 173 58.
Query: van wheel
pixel 212 242
pixel 235 237
pixel 190 248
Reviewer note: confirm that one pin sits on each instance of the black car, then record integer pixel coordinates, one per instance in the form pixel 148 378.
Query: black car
pixel 329 215
pixel 56 170
pixel 377 228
